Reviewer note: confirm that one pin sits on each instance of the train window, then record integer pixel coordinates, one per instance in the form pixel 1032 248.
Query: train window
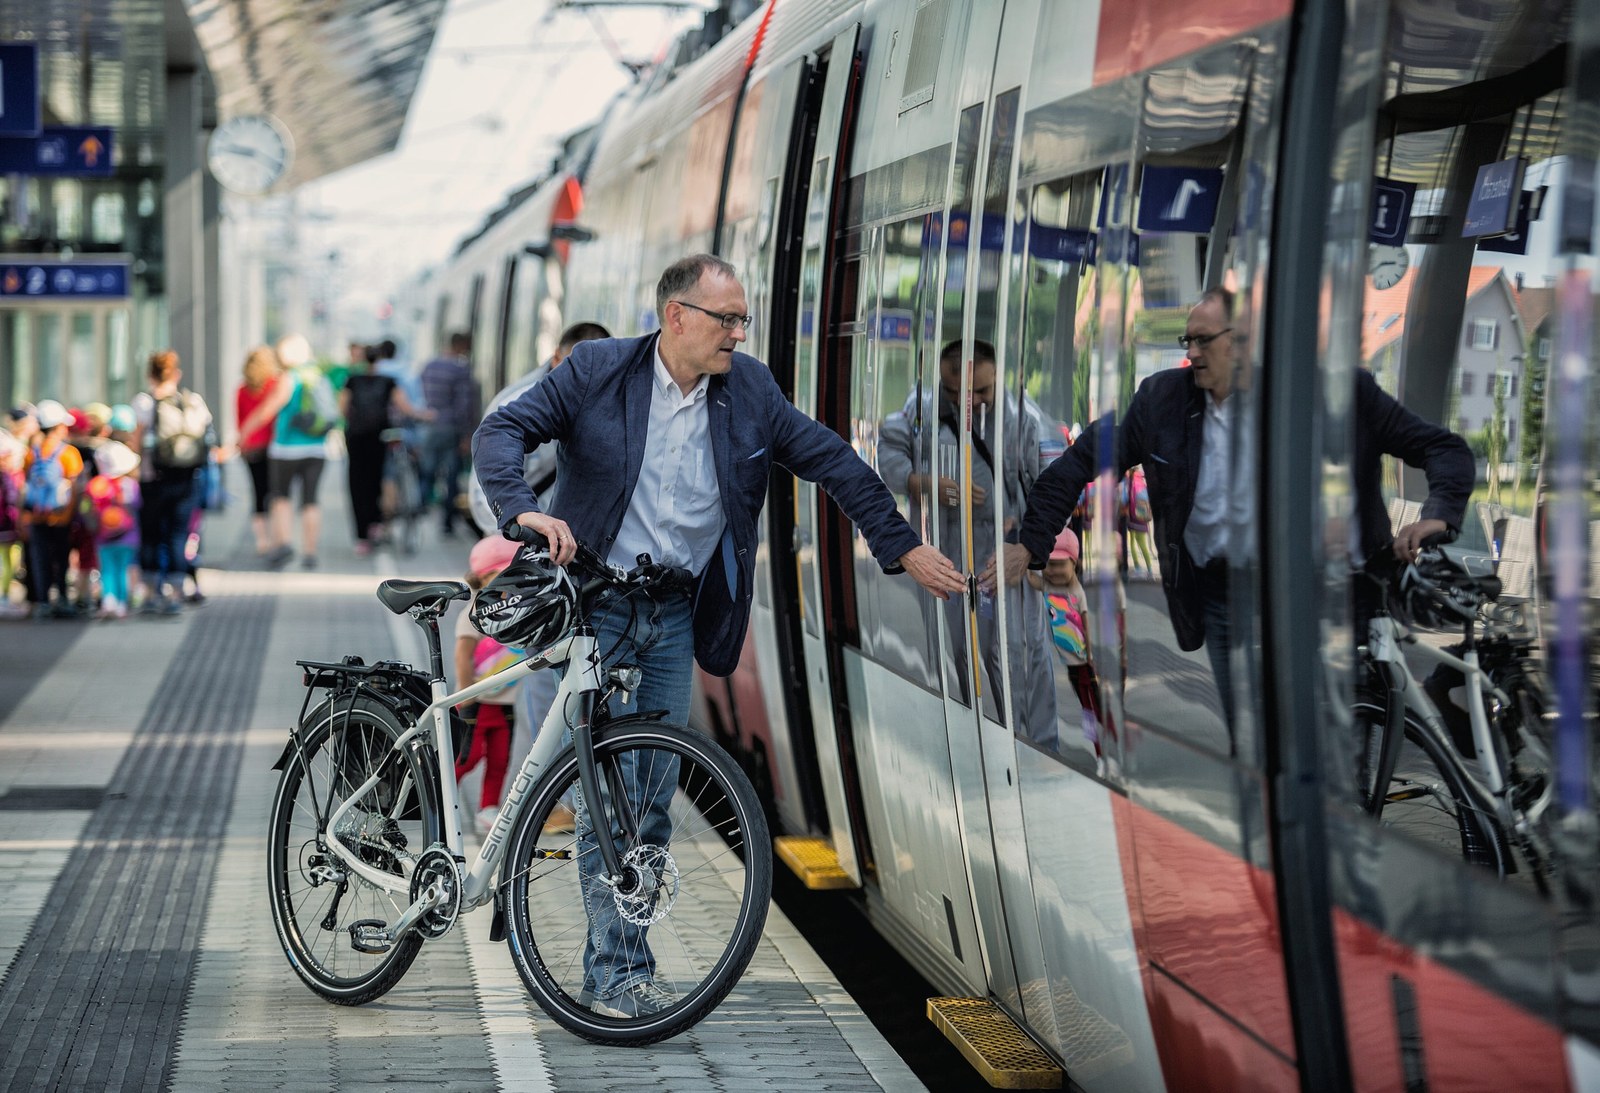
pixel 1450 432
pixel 1052 327
pixel 522 317
pixel 906 637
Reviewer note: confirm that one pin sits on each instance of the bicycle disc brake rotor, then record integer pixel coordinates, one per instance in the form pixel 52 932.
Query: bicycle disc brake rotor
pixel 437 864
pixel 650 899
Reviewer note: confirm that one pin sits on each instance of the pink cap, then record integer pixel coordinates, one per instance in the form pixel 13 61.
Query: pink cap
pixel 491 554
pixel 1066 545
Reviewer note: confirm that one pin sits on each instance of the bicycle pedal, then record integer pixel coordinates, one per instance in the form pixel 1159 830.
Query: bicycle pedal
pixel 1411 794
pixel 552 855
pixel 370 936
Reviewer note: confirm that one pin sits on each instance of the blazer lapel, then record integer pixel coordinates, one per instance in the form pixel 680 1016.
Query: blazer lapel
pixel 719 399
pixel 637 391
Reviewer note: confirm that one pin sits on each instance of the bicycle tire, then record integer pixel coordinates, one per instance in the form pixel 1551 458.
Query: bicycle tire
pixel 1427 798
pixel 718 843
pixel 344 742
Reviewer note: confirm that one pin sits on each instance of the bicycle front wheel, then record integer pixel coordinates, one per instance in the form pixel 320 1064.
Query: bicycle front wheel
pixel 652 956
pixel 316 897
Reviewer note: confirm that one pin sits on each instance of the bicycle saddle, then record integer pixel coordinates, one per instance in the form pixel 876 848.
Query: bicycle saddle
pixel 402 596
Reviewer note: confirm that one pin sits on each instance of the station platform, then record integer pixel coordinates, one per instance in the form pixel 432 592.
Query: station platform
pixel 135 935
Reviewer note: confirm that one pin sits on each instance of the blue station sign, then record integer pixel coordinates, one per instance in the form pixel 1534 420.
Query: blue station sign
pixel 1492 209
pixel 1391 211
pixel 1178 199
pixel 19 89
pixel 59 150
pixel 48 279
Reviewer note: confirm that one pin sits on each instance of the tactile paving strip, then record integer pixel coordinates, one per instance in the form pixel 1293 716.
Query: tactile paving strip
pixel 95 995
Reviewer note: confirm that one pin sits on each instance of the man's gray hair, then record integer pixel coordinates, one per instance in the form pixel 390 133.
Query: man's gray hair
pixel 684 274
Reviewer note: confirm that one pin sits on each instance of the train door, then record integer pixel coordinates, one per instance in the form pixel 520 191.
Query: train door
pixel 967 486
pixel 1460 295
pixel 817 289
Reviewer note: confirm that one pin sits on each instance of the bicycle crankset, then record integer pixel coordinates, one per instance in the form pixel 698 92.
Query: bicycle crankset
pixel 437 866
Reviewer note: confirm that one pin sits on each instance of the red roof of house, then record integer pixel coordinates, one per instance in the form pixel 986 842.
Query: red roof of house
pixel 1383 319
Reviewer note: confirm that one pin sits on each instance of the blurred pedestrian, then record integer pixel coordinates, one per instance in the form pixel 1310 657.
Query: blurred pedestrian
pixel 114 493
pixel 261 373
pixel 451 392
pixel 297 453
pixel 12 452
pixel 172 427
pixel 369 402
pixel 52 483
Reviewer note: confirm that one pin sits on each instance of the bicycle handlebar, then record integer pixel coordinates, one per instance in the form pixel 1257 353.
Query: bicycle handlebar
pixel 591 568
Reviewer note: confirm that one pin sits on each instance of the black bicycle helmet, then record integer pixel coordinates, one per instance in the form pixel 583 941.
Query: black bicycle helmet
pixel 1441 593
pixel 531 602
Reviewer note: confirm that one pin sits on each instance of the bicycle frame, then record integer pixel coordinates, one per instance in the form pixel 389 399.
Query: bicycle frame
pixel 582 683
pixel 1385 639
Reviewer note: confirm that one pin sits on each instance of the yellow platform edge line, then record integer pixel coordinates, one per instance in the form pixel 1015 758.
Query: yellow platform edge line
pixel 1004 1055
pixel 812 860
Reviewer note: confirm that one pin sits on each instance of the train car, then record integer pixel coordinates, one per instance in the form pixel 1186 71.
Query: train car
pixel 505 284
pixel 1170 878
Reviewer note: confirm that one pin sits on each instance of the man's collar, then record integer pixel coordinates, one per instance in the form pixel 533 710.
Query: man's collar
pixel 665 382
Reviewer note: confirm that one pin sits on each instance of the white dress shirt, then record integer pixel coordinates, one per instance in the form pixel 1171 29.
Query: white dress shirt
pixel 1206 533
pixel 675 515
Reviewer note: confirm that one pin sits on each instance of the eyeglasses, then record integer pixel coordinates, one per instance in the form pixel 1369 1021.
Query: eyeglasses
pixel 1202 340
pixel 728 319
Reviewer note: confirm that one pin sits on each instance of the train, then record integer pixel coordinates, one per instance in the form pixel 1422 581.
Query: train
pixel 1157 891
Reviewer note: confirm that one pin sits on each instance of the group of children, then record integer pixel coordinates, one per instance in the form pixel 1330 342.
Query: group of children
pixel 69 512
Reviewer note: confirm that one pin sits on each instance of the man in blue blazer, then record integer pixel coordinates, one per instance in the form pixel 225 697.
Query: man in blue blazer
pixel 666 443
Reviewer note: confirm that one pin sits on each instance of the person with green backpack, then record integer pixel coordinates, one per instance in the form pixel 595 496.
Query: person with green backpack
pixel 304 410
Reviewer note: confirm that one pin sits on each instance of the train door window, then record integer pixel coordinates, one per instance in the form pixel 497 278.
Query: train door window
pixel 502 328
pixel 1189 352
pixel 1052 335
pixel 1470 243
pixel 906 637
pixel 474 301
pixel 441 321
pixel 522 318
pixel 948 468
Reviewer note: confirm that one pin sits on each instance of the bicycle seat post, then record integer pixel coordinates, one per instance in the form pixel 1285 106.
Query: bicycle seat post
pixel 429 621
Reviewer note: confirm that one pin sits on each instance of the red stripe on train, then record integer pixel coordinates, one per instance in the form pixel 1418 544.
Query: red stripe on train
pixel 1210 921
pixel 1140 34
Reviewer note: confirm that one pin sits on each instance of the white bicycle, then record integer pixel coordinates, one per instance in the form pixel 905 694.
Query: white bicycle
pixel 366 862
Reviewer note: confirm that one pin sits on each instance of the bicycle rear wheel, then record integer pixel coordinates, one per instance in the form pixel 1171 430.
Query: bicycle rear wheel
pixel 1427 799
pixel 316 900
pixel 689 913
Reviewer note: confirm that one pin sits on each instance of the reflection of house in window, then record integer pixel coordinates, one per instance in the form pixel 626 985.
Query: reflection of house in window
pixel 1491 343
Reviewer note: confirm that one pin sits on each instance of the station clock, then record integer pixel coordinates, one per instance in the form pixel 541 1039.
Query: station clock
pixel 249 153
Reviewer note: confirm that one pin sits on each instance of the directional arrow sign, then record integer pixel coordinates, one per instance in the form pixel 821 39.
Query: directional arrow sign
pixel 1178 199
pixel 59 150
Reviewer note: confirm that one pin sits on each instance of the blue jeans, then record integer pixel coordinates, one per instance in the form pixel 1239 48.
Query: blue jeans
pixel 662 645
pixel 440 457
pixel 1214 613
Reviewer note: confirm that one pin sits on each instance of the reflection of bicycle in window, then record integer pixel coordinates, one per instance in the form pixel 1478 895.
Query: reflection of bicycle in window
pixel 403 501
pixel 366 855
pixel 1463 756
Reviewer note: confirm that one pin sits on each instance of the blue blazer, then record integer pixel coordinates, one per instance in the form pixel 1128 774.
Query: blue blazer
pixel 597 406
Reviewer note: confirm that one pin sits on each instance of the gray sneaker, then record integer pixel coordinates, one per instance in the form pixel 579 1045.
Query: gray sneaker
pixel 640 1000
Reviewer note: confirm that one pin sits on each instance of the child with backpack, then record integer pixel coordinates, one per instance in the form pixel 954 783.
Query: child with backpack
pixel 52 471
pixel 114 493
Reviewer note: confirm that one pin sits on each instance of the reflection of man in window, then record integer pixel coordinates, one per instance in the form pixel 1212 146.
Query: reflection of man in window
pixel 910 465
pixel 1178 426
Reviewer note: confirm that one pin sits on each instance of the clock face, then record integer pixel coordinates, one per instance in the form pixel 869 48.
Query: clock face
pixel 248 154
pixel 1386 265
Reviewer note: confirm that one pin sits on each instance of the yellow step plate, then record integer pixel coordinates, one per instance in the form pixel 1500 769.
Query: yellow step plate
pixel 1004 1054
pixel 813 861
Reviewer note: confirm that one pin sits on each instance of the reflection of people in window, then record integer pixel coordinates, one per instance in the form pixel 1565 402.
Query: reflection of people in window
pixel 918 454
pixel 1069 633
pixel 1178 427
